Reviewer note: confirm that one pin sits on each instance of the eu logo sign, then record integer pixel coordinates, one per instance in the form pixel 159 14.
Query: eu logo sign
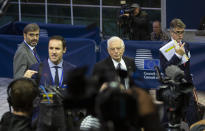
pixel 149 64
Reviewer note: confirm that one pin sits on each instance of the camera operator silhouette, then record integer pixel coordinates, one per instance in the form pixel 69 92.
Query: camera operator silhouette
pixel 21 94
pixel 135 23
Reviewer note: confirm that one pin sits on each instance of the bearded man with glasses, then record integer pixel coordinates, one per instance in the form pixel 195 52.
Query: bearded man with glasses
pixel 26 54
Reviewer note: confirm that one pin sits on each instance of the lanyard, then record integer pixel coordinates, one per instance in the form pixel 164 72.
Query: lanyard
pixel 60 82
pixel 37 58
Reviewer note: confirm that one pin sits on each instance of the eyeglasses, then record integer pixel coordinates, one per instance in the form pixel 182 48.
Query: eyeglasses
pixel 178 32
pixel 32 35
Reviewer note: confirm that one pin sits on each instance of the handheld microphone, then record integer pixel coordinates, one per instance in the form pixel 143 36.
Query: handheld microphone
pixel 175 73
pixel 158 74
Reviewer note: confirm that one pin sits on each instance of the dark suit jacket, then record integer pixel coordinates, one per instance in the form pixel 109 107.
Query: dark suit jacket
pixel 23 59
pixel 46 77
pixel 107 64
pixel 176 61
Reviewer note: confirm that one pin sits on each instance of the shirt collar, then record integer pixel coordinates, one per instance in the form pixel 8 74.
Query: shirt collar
pixel 51 65
pixel 121 62
pixel 31 47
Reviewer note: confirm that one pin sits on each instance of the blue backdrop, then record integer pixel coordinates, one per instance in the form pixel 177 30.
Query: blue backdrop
pixel 146 55
pixel 81 45
pixel 65 30
pixel 190 11
pixel 80 52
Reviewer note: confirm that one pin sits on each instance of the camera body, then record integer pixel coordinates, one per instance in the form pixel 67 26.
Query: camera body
pixel 126 20
pixel 175 92
pixel 51 95
pixel 174 95
pixel 174 86
pixel 125 8
pixel 51 112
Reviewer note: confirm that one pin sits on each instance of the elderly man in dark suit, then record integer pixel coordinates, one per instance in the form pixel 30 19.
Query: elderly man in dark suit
pixel 26 55
pixel 116 60
pixel 181 50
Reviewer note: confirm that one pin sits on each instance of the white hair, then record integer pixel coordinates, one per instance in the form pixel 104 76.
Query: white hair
pixel 115 38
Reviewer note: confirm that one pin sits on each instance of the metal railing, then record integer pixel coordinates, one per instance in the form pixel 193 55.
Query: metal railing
pixel 100 6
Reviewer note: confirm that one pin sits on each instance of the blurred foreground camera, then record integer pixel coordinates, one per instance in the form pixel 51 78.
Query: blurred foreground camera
pixel 114 105
pixel 51 111
pixel 175 93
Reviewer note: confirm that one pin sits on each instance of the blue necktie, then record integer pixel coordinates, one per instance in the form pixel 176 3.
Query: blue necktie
pixel 56 76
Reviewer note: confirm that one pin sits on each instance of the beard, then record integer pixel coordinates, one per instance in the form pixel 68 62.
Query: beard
pixel 33 43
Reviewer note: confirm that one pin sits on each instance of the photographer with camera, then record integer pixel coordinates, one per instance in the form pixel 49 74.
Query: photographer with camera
pixel 134 22
pixel 180 58
pixel 21 94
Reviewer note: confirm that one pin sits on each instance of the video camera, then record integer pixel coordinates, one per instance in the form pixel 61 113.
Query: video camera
pixel 51 95
pixel 84 93
pixel 174 92
pixel 126 18
pixel 81 95
pixel 125 8
pixel 114 104
pixel 51 111
pixel 84 89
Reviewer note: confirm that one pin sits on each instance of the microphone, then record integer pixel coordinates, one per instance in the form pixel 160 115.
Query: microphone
pixel 175 73
pixel 158 74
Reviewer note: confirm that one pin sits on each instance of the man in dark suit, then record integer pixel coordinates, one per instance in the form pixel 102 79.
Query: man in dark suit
pixel 181 51
pixel 116 60
pixel 26 55
pixel 54 70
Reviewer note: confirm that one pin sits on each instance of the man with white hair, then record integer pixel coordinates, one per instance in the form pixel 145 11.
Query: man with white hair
pixel 116 60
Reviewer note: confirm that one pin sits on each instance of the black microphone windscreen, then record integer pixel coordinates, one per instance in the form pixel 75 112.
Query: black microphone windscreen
pixel 174 72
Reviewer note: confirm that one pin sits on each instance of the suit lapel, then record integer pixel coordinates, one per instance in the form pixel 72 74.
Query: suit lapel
pixel 111 64
pixel 186 50
pixel 31 56
pixel 126 63
pixel 47 73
